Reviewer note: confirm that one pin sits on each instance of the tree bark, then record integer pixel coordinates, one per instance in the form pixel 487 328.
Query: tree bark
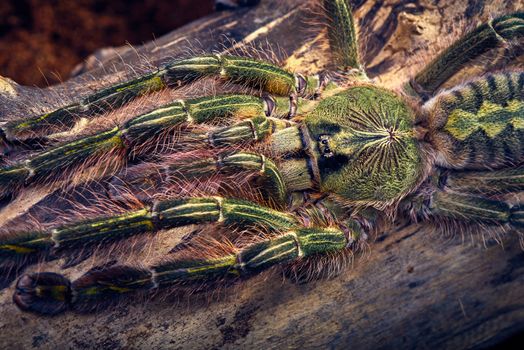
pixel 415 288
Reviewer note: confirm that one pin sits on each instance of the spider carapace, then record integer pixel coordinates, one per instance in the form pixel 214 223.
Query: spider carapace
pixel 287 171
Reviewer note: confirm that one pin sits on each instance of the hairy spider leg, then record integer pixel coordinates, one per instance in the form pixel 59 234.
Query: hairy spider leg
pixel 490 35
pixel 343 39
pixel 475 208
pixel 274 184
pixel 488 198
pixel 298 174
pixel 494 182
pixel 49 293
pixel 127 140
pixel 100 102
pixel 249 72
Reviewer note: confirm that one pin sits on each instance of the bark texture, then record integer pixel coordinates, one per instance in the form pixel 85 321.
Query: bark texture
pixel 415 288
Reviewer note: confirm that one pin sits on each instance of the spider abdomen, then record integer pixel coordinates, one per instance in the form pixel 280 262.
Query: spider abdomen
pixel 480 124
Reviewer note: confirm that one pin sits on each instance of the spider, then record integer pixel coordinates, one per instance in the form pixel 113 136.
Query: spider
pixel 306 170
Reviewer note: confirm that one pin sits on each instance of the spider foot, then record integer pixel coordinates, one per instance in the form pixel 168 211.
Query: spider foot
pixel 44 293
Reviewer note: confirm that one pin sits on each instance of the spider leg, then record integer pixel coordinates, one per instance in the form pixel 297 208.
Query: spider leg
pixel 171 170
pixel 100 102
pixel 493 182
pixel 474 208
pixel 274 184
pixel 28 246
pixel 128 140
pixel 254 73
pixel 495 33
pixel 343 39
pixel 50 293
pixel 239 70
pixel 489 198
pixel 482 196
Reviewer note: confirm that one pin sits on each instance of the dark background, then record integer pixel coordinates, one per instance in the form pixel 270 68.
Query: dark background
pixel 42 40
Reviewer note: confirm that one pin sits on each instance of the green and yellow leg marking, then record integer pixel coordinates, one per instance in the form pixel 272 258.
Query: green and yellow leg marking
pixel 195 111
pixel 250 130
pixel 144 128
pixel 162 215
pixel 471 208
pixel 517 216
pixel 495 33
pixel 487 182
pixel 100 102
pixel 343 37
pixel 57 160
pixel 302 171
pixel 49 293
pixel 274 184
pixel 245 71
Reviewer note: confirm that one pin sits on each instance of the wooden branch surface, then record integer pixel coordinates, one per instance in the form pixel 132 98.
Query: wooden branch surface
pixel 415 289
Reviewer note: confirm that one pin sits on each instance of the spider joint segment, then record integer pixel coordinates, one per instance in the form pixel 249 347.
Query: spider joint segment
pixel 245 71
pixel 49 293
pixel 254 73
pixel 474 44
pixel 120 140
pixel 343 38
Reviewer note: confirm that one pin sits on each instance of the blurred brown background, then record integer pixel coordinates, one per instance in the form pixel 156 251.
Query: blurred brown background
pixel 42 40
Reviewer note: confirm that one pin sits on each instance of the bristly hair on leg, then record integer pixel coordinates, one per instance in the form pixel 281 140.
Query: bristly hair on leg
pixel 59 97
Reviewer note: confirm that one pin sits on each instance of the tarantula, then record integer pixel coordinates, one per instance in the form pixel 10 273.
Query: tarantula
pixel 310 168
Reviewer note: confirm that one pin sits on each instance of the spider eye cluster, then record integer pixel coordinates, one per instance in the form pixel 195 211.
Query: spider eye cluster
pixel 367 151
pixel 323 146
